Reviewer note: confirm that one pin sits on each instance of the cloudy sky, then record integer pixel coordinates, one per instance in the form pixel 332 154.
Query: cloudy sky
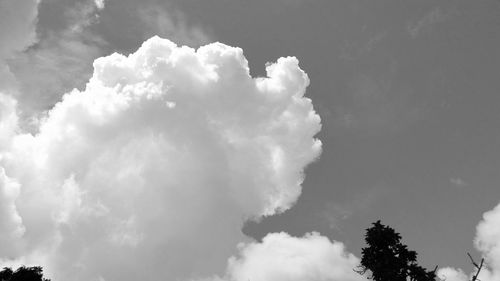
pixel 133 146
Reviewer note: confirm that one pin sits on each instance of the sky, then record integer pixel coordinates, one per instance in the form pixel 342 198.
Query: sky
pixel 132 145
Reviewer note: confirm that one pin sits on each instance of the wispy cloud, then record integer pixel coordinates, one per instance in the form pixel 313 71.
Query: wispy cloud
pixel 431 18
pixel 170 22
pixel 458 182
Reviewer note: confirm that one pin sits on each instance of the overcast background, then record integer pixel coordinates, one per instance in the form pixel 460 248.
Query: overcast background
pixel 408 93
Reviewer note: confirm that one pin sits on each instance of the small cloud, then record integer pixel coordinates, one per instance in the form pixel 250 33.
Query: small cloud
pixel 458 182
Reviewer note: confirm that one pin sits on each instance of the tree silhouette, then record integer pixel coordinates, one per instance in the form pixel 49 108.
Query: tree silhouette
pixel 387 259
pixel 23 273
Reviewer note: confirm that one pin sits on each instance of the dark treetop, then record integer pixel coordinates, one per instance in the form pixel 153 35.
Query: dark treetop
pixel 387 259
pixel 23 273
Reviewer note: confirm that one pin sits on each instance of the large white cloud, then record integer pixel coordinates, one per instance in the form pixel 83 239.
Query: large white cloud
pixel 487 242
pixel 151 171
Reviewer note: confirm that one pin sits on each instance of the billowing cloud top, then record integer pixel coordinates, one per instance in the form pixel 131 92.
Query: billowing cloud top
pixel 151 171
pixel 281 257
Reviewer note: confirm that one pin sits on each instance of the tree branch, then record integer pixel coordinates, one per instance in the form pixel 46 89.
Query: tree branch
pixel 478 267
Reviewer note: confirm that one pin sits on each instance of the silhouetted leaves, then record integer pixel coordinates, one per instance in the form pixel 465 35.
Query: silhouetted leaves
pixel 23 273
pixel 388 259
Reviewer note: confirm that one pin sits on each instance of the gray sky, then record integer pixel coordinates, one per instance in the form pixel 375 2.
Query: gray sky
pixel 407 91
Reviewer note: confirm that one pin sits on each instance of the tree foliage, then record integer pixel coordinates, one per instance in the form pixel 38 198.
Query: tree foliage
pixel 387 259
pixel 23 273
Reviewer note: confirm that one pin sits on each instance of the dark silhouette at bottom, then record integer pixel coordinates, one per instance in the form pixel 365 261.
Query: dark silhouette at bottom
pixel 387 259
pixel 23 273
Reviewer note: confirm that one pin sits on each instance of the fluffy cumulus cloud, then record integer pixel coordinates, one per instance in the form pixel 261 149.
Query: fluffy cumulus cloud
pixel 281 257
pixel 151 171
pixel 487 242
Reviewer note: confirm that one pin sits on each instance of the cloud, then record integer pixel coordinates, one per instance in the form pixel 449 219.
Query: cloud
pixel 151 171
pixel 458 182
pixel 433 17
pixel 281 257
pixel 99 4
pixel 11 226
pixel 169 22
pixel 487 242
pixel 8 120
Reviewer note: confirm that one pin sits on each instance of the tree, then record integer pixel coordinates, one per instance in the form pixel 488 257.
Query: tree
pixel 23 273
pixel 387 259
